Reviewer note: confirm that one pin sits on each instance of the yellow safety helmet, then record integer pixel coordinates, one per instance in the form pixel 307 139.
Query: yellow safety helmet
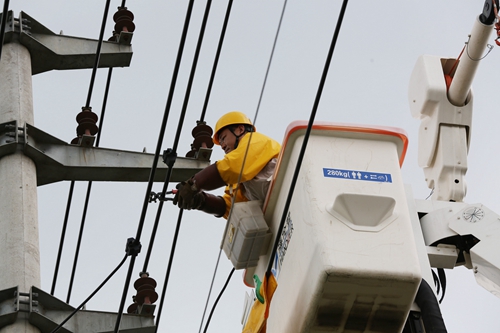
pixel 230 118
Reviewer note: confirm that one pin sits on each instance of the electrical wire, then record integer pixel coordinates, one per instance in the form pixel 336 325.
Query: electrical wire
pixel 246 151
pixel 169 267
pixel 70 195
pixel 98 53
pixel 89 186
pixel 210 290
pixel 202 119
pixel 216 60
pixel 63 236
pixel 307 134
pixel 174 151
pixel 155 159
pixel 248 146
pixel 259 102
pixel 5 16
pixel 79 242
pixel 91 295
pixel 186 99
pixel 179 128
pixel 217 300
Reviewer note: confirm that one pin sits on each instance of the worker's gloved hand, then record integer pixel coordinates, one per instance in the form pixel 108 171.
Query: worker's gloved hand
pixel 198 201
pixel 185 194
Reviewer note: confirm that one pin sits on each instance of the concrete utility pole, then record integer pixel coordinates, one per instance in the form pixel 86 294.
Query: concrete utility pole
pixel 31 157
pixel 20 257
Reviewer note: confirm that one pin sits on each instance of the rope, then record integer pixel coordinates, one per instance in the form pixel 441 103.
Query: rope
pixel 307 134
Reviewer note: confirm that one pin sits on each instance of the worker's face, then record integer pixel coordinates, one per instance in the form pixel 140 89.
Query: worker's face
pixel 227 139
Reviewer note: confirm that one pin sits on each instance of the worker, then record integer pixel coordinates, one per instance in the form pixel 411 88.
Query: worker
pixel 236 135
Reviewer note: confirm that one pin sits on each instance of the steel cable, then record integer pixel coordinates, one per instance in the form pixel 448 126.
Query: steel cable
pixel 307 134
pixel 155 160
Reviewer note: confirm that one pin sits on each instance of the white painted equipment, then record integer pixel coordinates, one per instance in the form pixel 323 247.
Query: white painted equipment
pixel 440 95
pixel 347 259
pixel 246 234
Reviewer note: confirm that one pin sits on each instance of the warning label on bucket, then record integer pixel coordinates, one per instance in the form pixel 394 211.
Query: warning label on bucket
pixel 358 175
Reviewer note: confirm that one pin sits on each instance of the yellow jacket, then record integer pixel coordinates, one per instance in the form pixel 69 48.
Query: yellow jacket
pixel 261 150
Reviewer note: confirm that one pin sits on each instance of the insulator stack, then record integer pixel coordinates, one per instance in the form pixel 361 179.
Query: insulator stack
pixel 202 135
pixel 124 26
pixel 87 124
pixel 145 297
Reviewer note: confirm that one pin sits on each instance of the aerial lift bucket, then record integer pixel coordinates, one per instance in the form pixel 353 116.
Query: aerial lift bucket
pixel 346 260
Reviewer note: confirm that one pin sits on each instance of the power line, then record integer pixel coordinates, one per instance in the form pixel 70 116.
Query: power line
pixel 169 267
pixel 247 149
pixel 89 187
pixel 217 300
pixel 91 295
pixel 79 241
pixel 63 236
pixel 210 290
pixel 179 126
pixel 155 159
pixel 98 53
pixel 307 134
pixel 216 60
pixel 174 151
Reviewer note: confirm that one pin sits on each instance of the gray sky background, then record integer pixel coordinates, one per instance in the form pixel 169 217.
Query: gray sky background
pixel 379 44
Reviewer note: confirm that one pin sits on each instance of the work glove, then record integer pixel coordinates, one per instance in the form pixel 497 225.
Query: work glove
pixel 198 201
pixel 185 194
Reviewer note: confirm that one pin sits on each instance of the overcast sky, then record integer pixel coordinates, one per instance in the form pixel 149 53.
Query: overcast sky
pixel 378 46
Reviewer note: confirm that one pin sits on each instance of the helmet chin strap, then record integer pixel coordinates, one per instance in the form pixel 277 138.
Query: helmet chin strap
pixel 237 137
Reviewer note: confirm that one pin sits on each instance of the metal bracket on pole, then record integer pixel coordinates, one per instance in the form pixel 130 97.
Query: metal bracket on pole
pixel 8 138
pixel 57 160
pixel 56 51
pixel 8 306
pixel 45 312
